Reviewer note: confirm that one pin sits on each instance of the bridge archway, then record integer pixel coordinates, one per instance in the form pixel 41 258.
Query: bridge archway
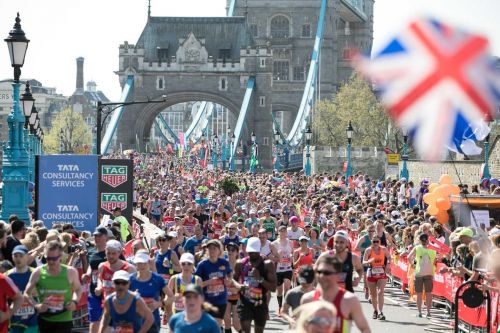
pixel 144 123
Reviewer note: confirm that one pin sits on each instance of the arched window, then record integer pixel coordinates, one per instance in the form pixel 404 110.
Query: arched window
pixel 280 27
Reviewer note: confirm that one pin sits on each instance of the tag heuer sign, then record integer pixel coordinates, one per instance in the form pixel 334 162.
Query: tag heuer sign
pixel 110 201
pixel 114 175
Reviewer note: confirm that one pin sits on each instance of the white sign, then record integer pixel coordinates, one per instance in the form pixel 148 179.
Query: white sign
pixel 478 217
pixel 392 170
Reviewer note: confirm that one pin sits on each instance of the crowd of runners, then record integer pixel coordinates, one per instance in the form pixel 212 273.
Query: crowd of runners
pixel 221 257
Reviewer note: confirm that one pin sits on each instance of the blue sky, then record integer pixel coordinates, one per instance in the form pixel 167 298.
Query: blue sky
pixel 62 30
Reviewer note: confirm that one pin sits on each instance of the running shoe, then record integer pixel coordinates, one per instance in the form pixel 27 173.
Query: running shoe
pixel 419 315
pixel 428 315
pixel 381 316
pixel 375 315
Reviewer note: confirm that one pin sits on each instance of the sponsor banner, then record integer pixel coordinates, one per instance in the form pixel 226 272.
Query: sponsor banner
pixel 116 186
pixel 66 190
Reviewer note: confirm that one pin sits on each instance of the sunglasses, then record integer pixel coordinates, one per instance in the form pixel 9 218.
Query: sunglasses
pixel 120 282
pixel 374 242
pixel 321 321
pixel 53 258
pixel 162 239
pixel 232 249
pixel 325 273
pixel 232 228
pixel 186 264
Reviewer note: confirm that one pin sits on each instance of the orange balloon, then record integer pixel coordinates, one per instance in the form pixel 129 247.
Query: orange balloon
pixel 443 190
pixel 445 179
pixel 443 217
pixel 443 204
pixel 432 186
pixel 455 190
pixel 430 198
pixel 433 210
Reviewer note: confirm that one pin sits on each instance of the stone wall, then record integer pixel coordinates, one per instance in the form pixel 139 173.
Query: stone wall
pixel 331 159
pixel 469 171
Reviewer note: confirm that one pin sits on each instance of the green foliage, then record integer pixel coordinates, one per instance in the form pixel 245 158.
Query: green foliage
pixel 229 186
pixel 76 135
pixel 354 101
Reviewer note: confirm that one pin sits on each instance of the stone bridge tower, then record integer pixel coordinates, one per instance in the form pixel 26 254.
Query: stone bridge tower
pixel 199 58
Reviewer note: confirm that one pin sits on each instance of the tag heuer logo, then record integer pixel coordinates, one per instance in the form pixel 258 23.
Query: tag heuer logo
pixel 114 175
pixel 110 201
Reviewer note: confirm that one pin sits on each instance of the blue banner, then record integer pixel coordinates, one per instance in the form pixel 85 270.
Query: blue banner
pixel 67 190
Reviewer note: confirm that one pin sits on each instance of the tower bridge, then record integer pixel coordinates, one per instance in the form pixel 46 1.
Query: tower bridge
pixel 267 63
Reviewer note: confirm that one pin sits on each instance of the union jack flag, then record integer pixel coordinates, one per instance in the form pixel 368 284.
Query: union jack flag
pixel 438 82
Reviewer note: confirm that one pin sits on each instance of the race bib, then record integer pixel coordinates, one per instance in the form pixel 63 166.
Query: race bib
pixel 285 263
pixel 55 303
pixel 25 311
pixel 217 288
pixel 124 328
pixel 179 305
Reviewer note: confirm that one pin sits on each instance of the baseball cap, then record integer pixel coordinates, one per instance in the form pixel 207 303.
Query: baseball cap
pixel 232 244
pixel 342 233
pixel 193 289
pixel 214 242
pixel 466 232
pixel 294 219
pixel 253 245
pixel 141 258
pixel 101 231
pixel 172 234
pixel 121 275
pixel 301 238
pixel 306 274
pixel 20 249
pixel 113 245
pixel 395 213
pixel 187 257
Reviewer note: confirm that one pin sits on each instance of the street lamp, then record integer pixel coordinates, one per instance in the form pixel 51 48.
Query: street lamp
pixel 94 139
pixel 277 165
pixel 28 102
pixel 215 140
pixel 253 158
pixel 231 157
pixel 61 144
pixel 225 149
pixel 486 170
pixel 112 106
pixel 404 172
pixel 307 168
pixel 349 131
pixel 15 166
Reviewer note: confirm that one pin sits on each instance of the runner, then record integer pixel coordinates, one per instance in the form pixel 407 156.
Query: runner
pixel 193 244
pixel 256 276
pixel 216 274
pixel 233 294
pixel 96 255
pixel 150 286
pixel 125 311
pixel 293 296
pixel 302 256
pixel 424 272
pixel 165 259
pixel 189 222
pixel 178 283
pixel 294 231
pixel 106 269
pixel 378 261
pixel 58 289
pixel 194 318
pixel 269 224
pixel 284 270
pixel 231 236
pixel 24 319
pixel 363 243
pixel 350 262
pixel 348 307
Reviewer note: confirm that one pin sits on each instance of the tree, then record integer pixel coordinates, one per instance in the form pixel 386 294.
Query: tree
pixel 76 135
pixel 355 101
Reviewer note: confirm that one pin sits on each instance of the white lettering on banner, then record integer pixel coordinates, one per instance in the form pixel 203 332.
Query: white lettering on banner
pixel 439 278
pixel 402 265
pixel 68 208
pixel 68 167
pixel 68 175
pixel 68 183
pixel 67 216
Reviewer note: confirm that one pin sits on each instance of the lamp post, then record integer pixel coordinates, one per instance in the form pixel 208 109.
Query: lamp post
pixel 15 166
pixel 253 157
pixel 112 106
pixel 94 139
pixel 277 165
pixel 349 131
pixel 404 172
pixel 226 150
pixel 486 170
pixel 215 141
pixel 61 143
pixel 231 158
pixel 307 167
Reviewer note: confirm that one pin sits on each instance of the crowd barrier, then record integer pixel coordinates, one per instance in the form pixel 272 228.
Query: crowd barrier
pixel 444 290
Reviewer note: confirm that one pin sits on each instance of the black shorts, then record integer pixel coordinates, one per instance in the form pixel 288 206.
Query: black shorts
pixel 233 301
pixel 249 312
pixel 282 276
pixel 221 310
pixel 54 326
